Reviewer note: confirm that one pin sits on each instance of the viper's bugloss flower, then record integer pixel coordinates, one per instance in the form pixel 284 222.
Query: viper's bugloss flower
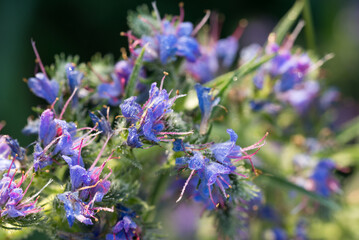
pixel 11 195
pixel 328 98
pixel 148 122
pixel 9 148
pixel 76 209
pixel 324 181
pixel 123 230
pixel 32 127
pixel 276 233
pixel 217 55
pixel 44 88
pixel 207 102
pixel 103 124
pixel 55 139
pixel 214 166
pixel 170 38
pixel 113 91
pixel 302 96
pixel 86 188
pixel 74 78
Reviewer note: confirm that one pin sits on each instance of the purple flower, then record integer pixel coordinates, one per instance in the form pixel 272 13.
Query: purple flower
pixel 11 195
pixel 103 124
pixel 148 121
pixel 329 97
pixel 227 50
pixel 131 110
pixel 206 103
pixel 223 152
pixel 76 209
pixel 74 80
pixel 213 166
pixel 302 96
pixel 44 88
pixel 55 139
pixel 167 41
pixel 217 55
pixel 9 148
pixel 123 230
pixel 323 178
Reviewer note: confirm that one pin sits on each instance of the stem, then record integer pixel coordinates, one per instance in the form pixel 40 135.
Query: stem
pixel 159 188
pixel 309 29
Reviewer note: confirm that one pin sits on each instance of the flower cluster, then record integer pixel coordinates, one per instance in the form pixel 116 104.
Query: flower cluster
pixel 148 121
pixel 169 38
pixel 217 55
pixel 214 165
pixel 125 228
pixel 11 196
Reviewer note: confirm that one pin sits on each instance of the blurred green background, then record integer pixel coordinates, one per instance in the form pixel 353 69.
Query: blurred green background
pixel 85 27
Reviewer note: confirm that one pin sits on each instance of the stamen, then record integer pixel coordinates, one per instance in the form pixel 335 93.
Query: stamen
pixel 124 53
pixel 201 23
pixel 67 103
pixel 222 188
pixel 163 79
pixel 13 159
pixel 38 58
pixel 210 195
pixel 27 188
pixel 79 155
pixel 52 107
pixel 47 184
pixel 185 185
pixel 100 154
pixel 181 16
pixel 240 29
pixel 158 17
pixel 291 38
pixel 12 178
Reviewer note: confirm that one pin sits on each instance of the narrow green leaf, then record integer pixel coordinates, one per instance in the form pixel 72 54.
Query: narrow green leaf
pixel 349 132
pixel 131 84
pixel 288 20
pixel 280 181
pixel 309 29
pixel 224 81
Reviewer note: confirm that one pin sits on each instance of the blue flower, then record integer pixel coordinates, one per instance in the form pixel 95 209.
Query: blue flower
pixel 206 103
pixel 32 127
pixel 55 139
pixel 171 39
pixel 102 123
pixel 147 122
pixel 75 208
pixel 131 110
pixel 44 88
pixel 123 230
pixel 9 148
pixel 167 47
pixel 227 50
pixel 224 151
pixel 133 139
pixel 302 96
pixel 11 195
pixel 195 162
pixel 323 178
pixel 114 90
pixel 74 80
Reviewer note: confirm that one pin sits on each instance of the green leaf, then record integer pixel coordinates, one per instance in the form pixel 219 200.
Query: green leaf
pixel 288 20
pixel 282 182
pixel 349 132
pixel 224 81
pixel 131 85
